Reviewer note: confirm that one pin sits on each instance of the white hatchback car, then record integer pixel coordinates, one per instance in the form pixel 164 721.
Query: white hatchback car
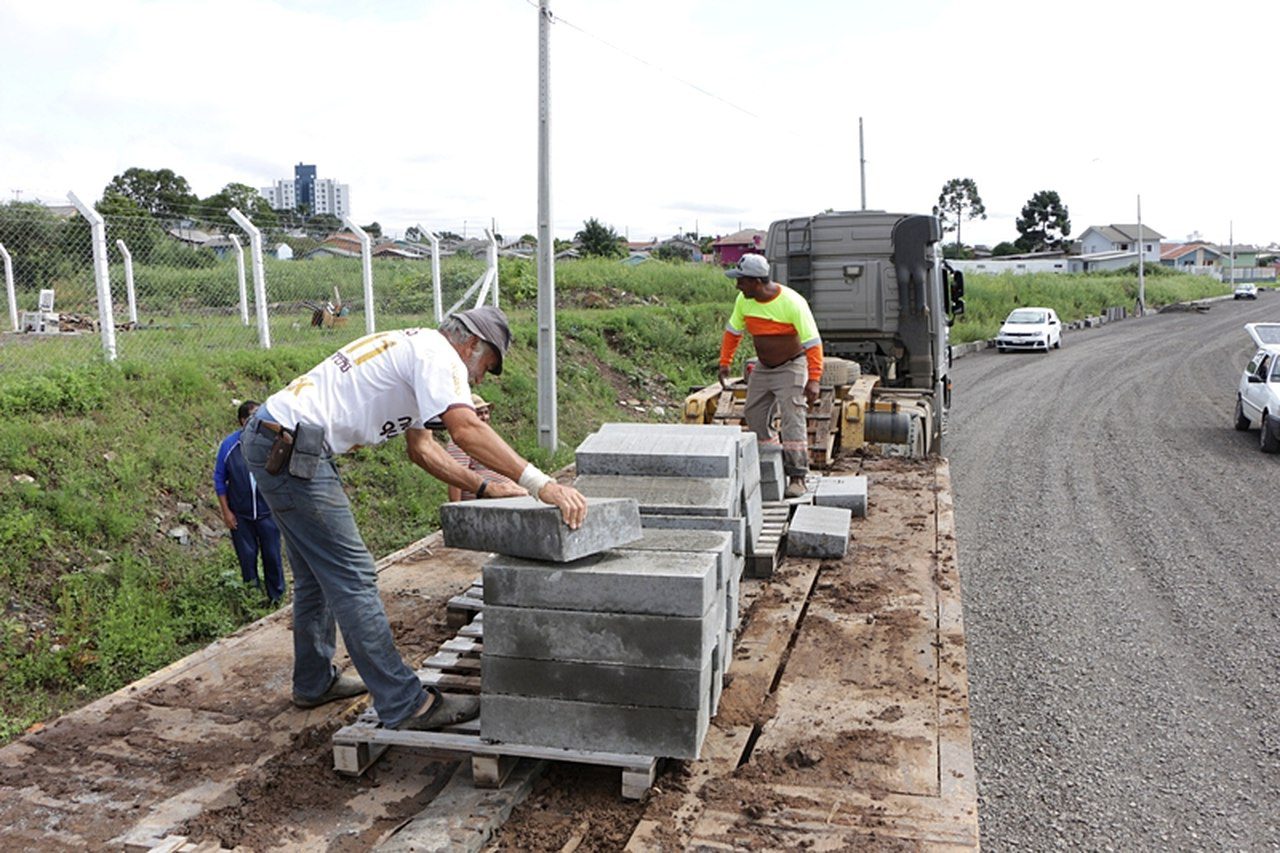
pixel 1258 397
pixel 1030 328
pixel 1245 290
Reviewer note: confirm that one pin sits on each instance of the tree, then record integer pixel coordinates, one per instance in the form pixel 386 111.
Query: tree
pixel 673 252
pixel 162 192
pixel 1044 224
pixel 1003 248
pixel 242 197
pixel 599 239
pixel 373 229
pixel 959 200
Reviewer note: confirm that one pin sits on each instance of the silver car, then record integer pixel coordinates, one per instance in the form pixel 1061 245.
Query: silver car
pixel 1258 397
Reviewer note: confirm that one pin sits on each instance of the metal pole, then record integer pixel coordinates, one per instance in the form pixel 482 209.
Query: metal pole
pixel 548 437
pixel 862 163
pixel 106 316
pixel 1231 235
pixel 128 281
pixel 244 296
pixel 8 286
pixel 259 274
pixel 1142 281
pixel 366 271
pixel 436 295
pixel 491 255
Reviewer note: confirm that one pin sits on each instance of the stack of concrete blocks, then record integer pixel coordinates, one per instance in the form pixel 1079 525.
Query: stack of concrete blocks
pixel 615 650
pixel 685 477
pixel 773 476
pixel 618 652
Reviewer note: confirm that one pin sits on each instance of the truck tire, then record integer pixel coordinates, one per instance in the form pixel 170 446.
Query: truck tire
pixel 1268 438
pixel 1242 422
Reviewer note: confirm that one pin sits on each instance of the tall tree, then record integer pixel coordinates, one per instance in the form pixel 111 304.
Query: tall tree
pixel 959 200
pixel 599 239
pixel 373 229
pixel 1044 223
pixel 161 192
pixel 243 198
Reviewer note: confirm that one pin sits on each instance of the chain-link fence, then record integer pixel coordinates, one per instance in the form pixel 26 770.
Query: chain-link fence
pixel 205 283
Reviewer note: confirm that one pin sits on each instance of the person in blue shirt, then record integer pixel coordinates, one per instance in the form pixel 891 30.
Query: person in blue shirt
pixel 247 515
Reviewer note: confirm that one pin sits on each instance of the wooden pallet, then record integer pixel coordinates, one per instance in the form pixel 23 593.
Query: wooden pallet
pixel 454 669
pixel 463 608
pixel 821 424
pixel 769 548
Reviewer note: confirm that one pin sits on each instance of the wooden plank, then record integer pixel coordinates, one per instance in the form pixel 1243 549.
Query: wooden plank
pixel 490 771
pixel 469 744
pixel 448 660
pixel 462 646
pixel 759 652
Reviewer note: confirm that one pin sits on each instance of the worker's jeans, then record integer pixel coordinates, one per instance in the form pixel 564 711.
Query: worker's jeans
pixel 783 385
pixel 333 579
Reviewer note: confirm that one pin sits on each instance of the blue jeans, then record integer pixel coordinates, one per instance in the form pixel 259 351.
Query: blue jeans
pixel 252 536
pixel 334 579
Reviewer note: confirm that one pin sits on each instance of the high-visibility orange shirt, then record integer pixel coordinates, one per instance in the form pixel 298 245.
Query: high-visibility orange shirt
pixel 785 314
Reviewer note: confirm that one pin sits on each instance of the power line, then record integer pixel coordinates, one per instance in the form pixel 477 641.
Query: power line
pixel 654 66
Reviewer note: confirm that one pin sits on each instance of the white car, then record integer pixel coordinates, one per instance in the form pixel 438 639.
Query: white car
pixel 1030 328
pixel 1245 290
pixel 1258 397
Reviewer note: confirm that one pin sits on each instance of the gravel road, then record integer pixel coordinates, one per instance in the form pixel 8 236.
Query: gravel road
pixel 1118 547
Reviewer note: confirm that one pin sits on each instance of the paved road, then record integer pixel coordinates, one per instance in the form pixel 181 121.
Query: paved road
pixel 1120 575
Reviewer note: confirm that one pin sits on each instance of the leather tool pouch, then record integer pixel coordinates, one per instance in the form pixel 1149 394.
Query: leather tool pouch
pixel 308 447
pixel 278 456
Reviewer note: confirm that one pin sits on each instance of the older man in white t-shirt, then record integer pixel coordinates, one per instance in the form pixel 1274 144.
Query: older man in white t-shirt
pixel 376 388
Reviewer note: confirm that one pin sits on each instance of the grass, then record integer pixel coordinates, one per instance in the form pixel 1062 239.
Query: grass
pixel 99 462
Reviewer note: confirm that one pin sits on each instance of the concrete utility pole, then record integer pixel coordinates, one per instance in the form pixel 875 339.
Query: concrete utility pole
pixel 548 436
pixel 862 164
pixel 1142 282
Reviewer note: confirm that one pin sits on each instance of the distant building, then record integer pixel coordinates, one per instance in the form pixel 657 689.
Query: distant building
pixel 730 249
pixel 307 192
pixel 1112 239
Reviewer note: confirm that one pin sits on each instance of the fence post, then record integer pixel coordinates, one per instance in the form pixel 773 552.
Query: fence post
pixel 491 255
pixel 106 318
pixel 128 281
pixel 244 297
pixel 13 297
pixel 366 271
pixel 259 274
pixel 436 294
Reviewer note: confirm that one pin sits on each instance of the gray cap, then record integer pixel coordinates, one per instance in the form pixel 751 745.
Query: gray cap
pixel 750 266
pixel 489 324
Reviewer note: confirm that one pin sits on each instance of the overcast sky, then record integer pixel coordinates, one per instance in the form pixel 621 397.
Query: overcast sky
pixel 666 114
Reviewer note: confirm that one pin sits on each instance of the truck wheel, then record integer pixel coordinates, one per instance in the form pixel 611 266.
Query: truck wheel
pixel 1242 422
pixel 1268 440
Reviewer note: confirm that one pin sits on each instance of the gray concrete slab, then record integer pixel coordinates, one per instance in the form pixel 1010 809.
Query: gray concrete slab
pixel 848 492
pixel 818 531
pixel 677 642
pixel 665 732
pixel 526 527
pixel 735 527
pixel 773 478
pixel 752 509
pixel 748 461
pixel 611 684
pixel 646 453
pixel 666 495
pixel 719 543
pixel 655 582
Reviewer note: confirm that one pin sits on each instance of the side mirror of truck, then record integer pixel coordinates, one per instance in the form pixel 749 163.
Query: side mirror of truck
pixel 955 294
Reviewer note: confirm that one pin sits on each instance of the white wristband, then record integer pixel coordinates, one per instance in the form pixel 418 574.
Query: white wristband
pixel 532 480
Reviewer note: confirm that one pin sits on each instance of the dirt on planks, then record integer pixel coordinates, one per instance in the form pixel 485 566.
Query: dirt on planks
pixel 577 807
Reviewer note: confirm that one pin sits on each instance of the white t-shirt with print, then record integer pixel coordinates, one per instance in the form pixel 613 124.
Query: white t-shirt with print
pixel 375 388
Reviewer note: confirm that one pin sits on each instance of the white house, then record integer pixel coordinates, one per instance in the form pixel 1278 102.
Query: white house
pixel 1109 239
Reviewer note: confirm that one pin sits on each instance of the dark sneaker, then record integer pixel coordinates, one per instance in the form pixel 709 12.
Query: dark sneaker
pixel 343 687
pixel 442 711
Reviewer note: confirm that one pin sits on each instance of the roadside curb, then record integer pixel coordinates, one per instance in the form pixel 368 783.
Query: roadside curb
pixel 1110 315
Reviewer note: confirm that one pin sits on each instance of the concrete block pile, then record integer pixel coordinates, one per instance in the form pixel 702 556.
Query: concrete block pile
pixel 688 477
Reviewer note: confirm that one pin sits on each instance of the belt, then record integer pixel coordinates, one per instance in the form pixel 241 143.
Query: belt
pixel 270 428
pixel 784 361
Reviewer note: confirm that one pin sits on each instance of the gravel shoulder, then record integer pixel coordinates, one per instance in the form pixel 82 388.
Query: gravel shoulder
pixel 1120 573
